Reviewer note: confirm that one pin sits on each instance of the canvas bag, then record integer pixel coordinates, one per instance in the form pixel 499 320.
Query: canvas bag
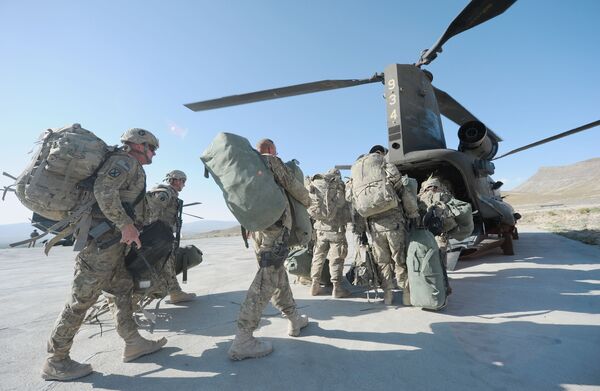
pixel 248 185
pixel 425 271
pixel 409 197
pixel 301 232
pixel 327 198
pixel 50 184
pixel 371 192
pixel 462 213
pixel 299 261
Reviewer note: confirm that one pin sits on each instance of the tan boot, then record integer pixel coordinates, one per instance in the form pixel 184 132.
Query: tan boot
pixel 246 346
pixel 406 296
pixel 388 297
pixel 137 347
pixel 64 369
pixel 339 291
pixel 180 297
pixel 315 288
pixel 296 323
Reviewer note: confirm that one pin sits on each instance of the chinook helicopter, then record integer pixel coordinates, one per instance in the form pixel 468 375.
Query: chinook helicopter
pixel 416 141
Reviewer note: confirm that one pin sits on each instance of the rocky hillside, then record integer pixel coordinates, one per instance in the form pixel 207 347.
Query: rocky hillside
pixel 576 184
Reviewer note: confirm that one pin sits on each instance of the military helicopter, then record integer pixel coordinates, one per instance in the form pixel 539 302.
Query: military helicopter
pixel 416 140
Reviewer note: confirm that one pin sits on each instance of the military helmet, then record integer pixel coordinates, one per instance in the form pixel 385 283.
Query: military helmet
pixel 176 174
pixel 432 181
pixel 378 148
pixel 139 136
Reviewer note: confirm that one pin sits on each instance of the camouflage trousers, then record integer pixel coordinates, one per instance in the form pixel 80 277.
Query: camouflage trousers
pixel 332 246
pixel 270 283
pixel 96 270
pixel 389 250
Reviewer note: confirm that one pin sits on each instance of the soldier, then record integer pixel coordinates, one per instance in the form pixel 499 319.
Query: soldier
pixel 271 280
pixel 386 231
pixel 33 236
pixel 331 213
pixel 165 205
pixel 118 189
pixel 434 197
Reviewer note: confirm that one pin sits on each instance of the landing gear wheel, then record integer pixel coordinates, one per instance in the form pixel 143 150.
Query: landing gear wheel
pixel 507 245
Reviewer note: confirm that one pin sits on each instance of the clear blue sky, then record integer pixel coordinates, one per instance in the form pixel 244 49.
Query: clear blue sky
pixel 112 65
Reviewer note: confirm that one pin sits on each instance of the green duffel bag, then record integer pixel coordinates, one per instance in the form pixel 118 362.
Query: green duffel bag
pixel 301 232
pixel 426 274
pixel 248 185
pixel 463 215
pixel 299 261
pixel 187 257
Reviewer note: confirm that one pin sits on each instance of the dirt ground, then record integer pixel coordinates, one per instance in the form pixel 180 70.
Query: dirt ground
pixel 579 223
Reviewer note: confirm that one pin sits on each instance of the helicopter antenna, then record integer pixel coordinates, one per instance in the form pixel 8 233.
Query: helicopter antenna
pixel 552 138
pixel 475 13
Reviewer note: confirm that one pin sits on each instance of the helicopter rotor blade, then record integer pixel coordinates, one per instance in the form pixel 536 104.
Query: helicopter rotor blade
pixel 188 214
pixel 343 167
pixel 456 113
pixel 475 13
pixel 552 138
pixel 283 92
pixel 192 203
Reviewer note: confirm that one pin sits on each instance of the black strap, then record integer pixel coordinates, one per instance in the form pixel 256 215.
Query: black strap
pixel 244 236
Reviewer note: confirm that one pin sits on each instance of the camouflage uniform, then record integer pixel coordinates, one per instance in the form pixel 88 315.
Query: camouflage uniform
pixel 438 197
pixel 387 237
pixel 121 179
pixel 163 204
pixel 270 245
pixel 330 244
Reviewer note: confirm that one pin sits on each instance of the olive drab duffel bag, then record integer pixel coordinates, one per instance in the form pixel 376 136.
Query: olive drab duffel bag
pixel 145 264
pixel 371 191
pixel 51 184
pixel 248 185
pixel 463 215
pixel 301 232
pixel 425 271
pixel 299 261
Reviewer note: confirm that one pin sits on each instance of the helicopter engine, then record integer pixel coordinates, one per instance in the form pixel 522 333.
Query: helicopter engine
pixel 474 140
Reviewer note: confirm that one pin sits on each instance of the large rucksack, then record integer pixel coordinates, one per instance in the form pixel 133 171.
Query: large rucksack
pixel 327 198
pixel 372 193
pixel 51 185
pixel 301 232
pixel 410 200
pixel 248 185
pixel 462 213
pixel 426 274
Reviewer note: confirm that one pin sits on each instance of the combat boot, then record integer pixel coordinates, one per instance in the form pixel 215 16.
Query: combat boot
pixel 180 297
pixel 388 297
pixel 296 323
pixel 406 296
pixel 246 346
pixel 137 346
pixel 339 291
pixel 315 287
pixel 64 369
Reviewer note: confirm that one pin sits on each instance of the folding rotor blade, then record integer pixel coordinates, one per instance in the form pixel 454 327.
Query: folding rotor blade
pixel 555 137
pixel 283 92
pixel 455 112
pixel 475 13
pixel 187 214
pixel 192 203
pixel 343 166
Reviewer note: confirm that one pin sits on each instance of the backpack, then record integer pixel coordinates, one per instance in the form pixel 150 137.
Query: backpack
pixel 363 271
pixel 301 232
pixel 327 198
pixel 463 216
pixel 51 185
pixel 426 273
pixel 371 192
pixel 409 197
pixel 248 185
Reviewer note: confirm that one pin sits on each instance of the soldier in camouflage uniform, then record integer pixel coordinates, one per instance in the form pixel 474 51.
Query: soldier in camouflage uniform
pixel 119 186
pixel 387 237
pixel 271 281
pixel 434 194
pixel 331 243
pixel 164 204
